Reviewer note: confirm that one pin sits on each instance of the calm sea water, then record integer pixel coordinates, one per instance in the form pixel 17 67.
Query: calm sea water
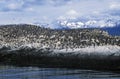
pixel 10 72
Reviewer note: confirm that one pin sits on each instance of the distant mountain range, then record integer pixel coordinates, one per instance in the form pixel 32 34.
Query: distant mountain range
pixel 112 26
pixel 113 30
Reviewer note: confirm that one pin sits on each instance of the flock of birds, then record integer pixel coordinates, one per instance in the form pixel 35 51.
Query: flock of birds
pixel 24 34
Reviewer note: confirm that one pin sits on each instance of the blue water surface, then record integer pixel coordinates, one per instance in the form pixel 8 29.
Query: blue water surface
pixel 11 72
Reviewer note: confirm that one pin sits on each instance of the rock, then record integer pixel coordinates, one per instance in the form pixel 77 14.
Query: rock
pixel 75 48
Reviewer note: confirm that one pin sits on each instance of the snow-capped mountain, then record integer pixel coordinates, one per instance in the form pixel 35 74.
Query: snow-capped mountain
pixel 45 25
pixel 111 25
pixel 87 24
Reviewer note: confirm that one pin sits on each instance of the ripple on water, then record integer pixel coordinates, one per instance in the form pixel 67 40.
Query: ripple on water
pixel 10 72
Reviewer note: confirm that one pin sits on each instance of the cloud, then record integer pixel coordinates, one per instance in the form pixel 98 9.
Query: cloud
pixel 72 13
pixel 114 12
pixel 114 9
pixel 115 5
pixel 29 9
pixel 59 9
pixel 11 5
pixel 46 2
pixel 26 5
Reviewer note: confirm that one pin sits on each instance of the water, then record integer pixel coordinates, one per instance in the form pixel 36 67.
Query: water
pixel 10 72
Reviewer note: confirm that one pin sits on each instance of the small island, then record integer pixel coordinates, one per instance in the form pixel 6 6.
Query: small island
pixel 32 45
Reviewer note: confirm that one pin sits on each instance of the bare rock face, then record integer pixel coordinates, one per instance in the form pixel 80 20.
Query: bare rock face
pixel 33 45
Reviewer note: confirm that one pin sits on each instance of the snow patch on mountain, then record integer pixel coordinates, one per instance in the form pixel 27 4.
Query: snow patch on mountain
pixel 92 21
pixel 86 24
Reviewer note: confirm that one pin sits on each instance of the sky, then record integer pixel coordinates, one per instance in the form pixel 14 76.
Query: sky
pixel 46 11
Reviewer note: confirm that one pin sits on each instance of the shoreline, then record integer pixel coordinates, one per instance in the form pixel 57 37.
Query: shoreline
pixel 71 59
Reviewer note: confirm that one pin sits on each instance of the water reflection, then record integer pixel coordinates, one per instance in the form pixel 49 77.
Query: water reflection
pixel 10 72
